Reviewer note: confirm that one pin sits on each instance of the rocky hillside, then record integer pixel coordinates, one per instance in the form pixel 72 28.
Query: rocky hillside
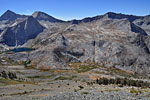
pixel 115 40
pixel 20 32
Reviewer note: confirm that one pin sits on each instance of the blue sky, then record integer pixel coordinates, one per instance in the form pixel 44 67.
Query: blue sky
pixel 76 9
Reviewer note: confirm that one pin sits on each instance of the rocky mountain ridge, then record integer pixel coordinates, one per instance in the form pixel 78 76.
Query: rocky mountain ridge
pixel 43 16
pixel 117 40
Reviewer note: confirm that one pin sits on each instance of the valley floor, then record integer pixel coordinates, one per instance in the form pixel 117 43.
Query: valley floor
pixel 67 85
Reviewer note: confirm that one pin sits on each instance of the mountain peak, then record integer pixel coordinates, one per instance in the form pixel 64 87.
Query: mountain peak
pixel 9 11
pixel 40 15
pixel 43 16
pixel 110 13
pixel 37 13
pixel 10 15
pixel 113 15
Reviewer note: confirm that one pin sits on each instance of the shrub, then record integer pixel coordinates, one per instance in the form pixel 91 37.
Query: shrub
pixel 122 82
pixel 132 90
pixel 85 92
pixel 81 87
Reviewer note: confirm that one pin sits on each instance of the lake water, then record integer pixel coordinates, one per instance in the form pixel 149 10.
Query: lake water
pixel 22 49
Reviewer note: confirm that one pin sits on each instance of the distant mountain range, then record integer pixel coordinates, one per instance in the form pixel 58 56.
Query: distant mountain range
pixel 15 24
pixel 111 39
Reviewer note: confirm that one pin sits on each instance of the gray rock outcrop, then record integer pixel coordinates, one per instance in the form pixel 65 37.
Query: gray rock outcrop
pixel 21 32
